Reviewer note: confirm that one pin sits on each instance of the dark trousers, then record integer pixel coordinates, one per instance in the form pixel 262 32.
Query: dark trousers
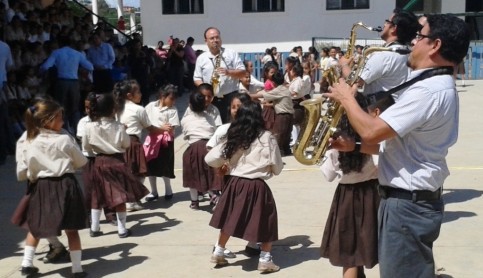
pixel 7 140
pixel 223 105
pixel 67 93
pixel 102 81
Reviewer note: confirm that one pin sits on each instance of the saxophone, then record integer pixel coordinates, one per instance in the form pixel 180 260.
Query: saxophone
pixel 318 128
pixel 215 76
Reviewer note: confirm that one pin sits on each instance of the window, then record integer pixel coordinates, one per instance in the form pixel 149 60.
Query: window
pixel 347 4
pixel 182 6
pixel 260 6
pixel 413 6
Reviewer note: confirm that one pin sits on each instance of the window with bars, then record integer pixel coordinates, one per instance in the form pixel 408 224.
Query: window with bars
pixel 347 4
pixel 182 6
pixel 262 6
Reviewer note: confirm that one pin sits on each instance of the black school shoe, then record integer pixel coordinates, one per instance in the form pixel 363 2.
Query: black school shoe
pixel 95 233
pixel 79 274
pixel 29 271
pixel 252 252
pixel 125 234
pixel 56 255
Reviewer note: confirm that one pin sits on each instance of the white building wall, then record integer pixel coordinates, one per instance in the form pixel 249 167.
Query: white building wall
pixel 254 32
pixel 451 6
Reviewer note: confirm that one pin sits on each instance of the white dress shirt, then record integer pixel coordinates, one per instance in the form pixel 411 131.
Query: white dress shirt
pixel 106 136
pixel 135 118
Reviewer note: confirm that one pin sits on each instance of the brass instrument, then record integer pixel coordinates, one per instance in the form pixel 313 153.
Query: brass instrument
pixel 215 76
pixel 318 128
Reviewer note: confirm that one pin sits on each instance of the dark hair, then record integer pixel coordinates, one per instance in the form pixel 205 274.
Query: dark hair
pixel 190 40
pixel 102 105
pixel 292 60
pixel 197 101
pixel 243 97
pixel 278 79
pixel 245 63
pixel 167 90
pixel 247 126
pixel 209 28
pixel 406 25
pixel 269 65
pixel 382 104
pixel 39 114
pixel 121 89
pixel 298 69
pixel 352 161
pixel 204 86
pixel 453 33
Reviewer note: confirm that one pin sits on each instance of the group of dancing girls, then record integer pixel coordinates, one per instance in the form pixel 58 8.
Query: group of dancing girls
pixel 47 157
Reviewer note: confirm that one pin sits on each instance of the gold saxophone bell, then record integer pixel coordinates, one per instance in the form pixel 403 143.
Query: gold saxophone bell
pixel 322 116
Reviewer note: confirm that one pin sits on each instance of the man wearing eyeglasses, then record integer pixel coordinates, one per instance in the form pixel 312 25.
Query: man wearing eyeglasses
pixel 231 69
pixel 385 70
pixel 412 138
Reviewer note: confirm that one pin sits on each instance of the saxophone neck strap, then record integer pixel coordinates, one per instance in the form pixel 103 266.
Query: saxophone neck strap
pixel 373 98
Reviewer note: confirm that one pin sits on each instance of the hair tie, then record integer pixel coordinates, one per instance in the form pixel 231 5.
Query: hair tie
pixel 32 109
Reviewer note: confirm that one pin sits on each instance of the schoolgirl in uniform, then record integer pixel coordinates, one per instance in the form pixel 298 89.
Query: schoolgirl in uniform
pixel 350 235
pixel 249 155
pixel 296 90
pixel 114 184
pixel 163 114
pixel 48 161
pixel 268 111
pixel 199 123
pixel 283 107
pixel 128 96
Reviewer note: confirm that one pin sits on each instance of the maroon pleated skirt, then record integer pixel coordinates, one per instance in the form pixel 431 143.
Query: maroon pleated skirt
pixel 299 111
pixel 247 210
pixel 56 204
pixel 163 164
pixel 113 183
pixel 350 235
pixel 135 158
pixel 269 115
pixel 87 176
pixel 196 173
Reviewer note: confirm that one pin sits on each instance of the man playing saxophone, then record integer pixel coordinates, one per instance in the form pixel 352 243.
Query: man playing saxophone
pixel 385 70
pixel 415 134
pixel 221 65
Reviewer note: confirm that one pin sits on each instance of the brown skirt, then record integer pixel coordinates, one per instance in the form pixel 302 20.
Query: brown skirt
pixel 163 165
pixel 299 111
pixel 268 114
pixel 196 173
pixel 56 204
pixel 87 176
pixel 247 210
pixel 350 235
pixel 135 158
pixel 113 183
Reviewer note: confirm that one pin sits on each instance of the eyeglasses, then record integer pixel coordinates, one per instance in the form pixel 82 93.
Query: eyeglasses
pixel 419 36
pixel 387 21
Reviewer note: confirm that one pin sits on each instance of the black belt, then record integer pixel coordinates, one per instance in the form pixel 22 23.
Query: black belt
pixel 416 195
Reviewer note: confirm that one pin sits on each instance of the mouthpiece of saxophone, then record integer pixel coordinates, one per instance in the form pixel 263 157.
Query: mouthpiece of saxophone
pixel 402 51
pixel 377 29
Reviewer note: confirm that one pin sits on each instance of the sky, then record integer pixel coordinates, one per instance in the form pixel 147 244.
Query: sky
pixel 130 3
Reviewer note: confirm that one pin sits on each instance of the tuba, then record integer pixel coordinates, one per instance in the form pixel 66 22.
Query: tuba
pixel 215 76
pixel 318 128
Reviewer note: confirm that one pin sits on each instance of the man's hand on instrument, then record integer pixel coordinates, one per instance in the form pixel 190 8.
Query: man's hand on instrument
pixel 341 91
pixel 342 143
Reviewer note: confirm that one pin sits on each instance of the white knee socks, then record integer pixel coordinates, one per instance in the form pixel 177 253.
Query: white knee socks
pixel 76 257
pixel 154 187
pixel 28 256
pixel 121 222
pixel 167 186
pixel 95 219
pixel 194 194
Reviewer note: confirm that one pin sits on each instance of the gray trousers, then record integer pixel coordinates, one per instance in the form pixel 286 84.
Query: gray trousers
pixel 407 231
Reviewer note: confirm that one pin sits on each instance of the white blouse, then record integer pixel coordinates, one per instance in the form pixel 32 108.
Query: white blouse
pixel 106 136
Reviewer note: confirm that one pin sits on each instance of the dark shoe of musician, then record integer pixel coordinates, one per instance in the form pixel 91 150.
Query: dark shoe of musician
pixel 56 255
pixel 29 271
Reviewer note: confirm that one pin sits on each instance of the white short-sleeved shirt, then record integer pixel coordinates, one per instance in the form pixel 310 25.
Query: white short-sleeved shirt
pixel 261 161
pixel 162 115
pixel 296 86
pixel 197 126
pixel 384 70
pixel 425 117
pixel 331 169
pixel 81 131
pixel 50 154
pixel 218 135
pixel 206 63
pixel 106 136
pixel 134 117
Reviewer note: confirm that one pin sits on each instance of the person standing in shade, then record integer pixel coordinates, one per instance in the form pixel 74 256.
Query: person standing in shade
pixel 67 88
pixel 190 59
pixel 230 70
pixel 102 56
